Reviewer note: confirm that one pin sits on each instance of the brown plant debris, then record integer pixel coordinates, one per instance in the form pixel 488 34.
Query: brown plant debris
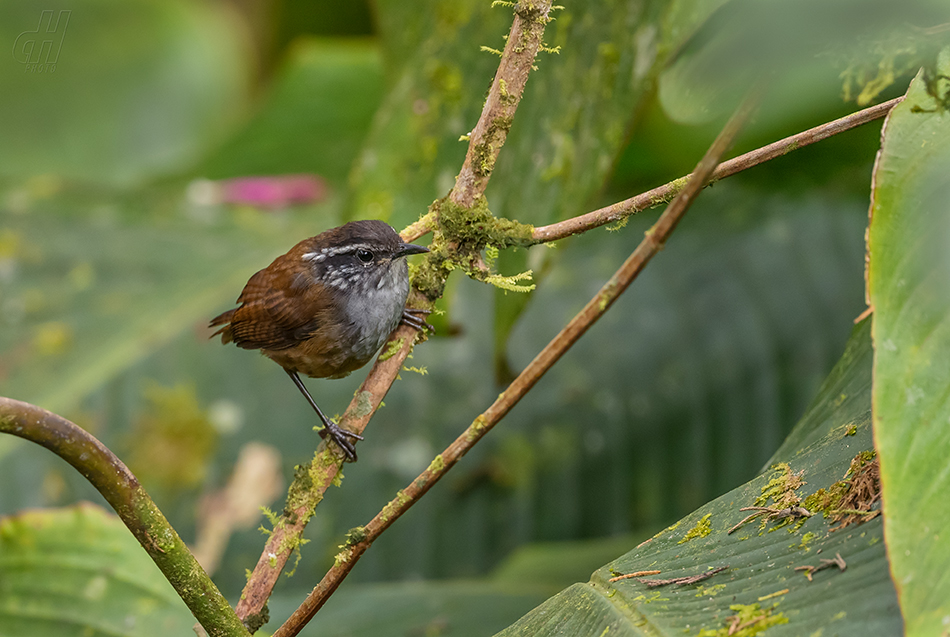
pixel 772 514
pixel 853 499
pixel 863 492
pixel 683 581
pixel 629 575
pixel 810 570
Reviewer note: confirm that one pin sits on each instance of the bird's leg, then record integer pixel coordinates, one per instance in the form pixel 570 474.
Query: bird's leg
pixel 338 434
pixel 416 318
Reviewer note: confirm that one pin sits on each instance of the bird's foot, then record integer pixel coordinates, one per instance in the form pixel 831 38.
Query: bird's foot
pixel 416 318
pixel 341 437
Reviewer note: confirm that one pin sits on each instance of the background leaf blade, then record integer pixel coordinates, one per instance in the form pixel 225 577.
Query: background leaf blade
pixel 79 571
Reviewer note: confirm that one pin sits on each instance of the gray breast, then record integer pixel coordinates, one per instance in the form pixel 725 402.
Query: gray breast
pixel 375 307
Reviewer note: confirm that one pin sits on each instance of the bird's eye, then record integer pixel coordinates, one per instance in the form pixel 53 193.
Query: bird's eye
pixel 364 255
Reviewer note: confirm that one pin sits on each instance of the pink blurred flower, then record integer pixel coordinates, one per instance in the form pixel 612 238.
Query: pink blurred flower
pixel 273 191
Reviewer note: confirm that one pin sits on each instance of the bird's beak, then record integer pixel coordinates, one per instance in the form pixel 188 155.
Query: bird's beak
pixel 409 248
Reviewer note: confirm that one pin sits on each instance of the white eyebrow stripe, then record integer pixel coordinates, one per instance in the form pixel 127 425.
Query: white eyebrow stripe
pixel 332 252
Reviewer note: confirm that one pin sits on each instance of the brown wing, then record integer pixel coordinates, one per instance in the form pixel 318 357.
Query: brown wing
pixel 276 310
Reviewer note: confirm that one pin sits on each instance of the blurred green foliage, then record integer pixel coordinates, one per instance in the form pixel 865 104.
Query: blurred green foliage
pixel 110 265
pixel 78 571
pixel 121 91
pixel 170 444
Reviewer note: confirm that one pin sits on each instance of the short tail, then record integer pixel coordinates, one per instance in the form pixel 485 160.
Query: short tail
pixel 225 321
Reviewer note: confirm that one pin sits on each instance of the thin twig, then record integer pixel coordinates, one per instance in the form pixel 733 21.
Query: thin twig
pixel 662 194
pixel 682 581
pixel 423 226
pixel 485 143
pixel 135 508
pixel 630 575
pixel 809 570
pixel 652 243
pixel 772 514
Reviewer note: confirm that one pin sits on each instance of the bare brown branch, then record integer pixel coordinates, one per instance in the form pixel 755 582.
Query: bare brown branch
pixel 662 194
pixel 651 244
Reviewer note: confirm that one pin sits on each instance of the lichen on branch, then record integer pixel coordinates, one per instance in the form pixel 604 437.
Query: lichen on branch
pixel 461 234
pixel 517 61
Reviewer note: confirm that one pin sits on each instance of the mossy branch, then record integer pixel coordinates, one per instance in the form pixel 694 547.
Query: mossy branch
pixel 135 508
pixel 488 136
pixel 462 226
pixel 595 308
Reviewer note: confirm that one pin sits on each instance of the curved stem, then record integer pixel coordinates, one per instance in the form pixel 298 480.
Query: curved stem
pixel 123 492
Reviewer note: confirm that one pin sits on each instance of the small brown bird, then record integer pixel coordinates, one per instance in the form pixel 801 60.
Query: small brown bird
pixel 326 307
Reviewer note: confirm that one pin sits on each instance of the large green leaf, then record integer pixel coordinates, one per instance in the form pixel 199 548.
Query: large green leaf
pixel 908 274
pixel 79 571
pixel 759 583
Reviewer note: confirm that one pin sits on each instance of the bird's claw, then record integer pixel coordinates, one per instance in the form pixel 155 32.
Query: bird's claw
pixel 410 317
pixel 341 437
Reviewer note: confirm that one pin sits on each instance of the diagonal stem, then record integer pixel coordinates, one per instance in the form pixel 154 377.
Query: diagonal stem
pixel 652 243
pixel 123 492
